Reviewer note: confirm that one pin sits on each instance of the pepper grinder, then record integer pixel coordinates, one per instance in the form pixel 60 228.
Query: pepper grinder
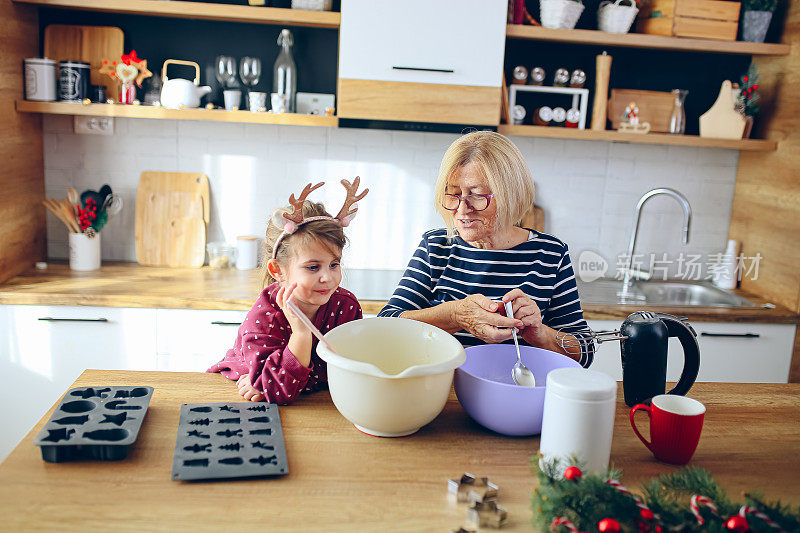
pixel 578 418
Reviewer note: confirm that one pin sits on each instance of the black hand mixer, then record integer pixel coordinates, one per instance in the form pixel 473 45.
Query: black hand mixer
pixel 644 341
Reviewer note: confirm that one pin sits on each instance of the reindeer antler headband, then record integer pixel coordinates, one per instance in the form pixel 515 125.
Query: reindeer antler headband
pixel 291 221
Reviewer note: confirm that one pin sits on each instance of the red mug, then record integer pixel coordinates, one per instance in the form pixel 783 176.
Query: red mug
pixel 675 426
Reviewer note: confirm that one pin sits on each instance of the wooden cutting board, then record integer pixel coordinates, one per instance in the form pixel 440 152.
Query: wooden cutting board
pixel 655 107
pixel 172 214
pixel 534 219
pixel 86 43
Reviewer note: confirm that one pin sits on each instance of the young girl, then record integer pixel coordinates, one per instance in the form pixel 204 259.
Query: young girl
pixel 273 358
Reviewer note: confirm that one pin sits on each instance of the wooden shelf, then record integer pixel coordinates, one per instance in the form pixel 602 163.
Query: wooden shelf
pixel 198 10
pixel 641 40
pixel 756 145
pixel 141 111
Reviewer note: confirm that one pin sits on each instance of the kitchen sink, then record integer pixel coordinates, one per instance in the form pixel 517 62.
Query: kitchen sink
pixel 673 293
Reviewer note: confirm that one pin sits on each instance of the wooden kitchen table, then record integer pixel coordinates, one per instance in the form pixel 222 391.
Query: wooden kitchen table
pixel 343 480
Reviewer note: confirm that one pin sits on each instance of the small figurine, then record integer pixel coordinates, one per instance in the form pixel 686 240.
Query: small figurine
pixel 630 121
pixel 128 70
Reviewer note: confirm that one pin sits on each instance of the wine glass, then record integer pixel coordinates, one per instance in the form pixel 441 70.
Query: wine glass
pixel 250 70
pixel 226 71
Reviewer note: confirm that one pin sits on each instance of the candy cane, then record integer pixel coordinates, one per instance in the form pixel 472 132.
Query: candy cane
pixel 562 521
pixel 755 512
pixel 639 503
pixel 695 502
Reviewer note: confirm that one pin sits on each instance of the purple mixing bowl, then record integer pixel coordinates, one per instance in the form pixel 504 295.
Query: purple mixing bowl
pixel 487 392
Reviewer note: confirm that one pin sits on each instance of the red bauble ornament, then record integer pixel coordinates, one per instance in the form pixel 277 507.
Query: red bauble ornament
pixel 646 514
pixel 573 473
pixel 746 78
pixel 737 523
pixel 608 525
pixel 658 529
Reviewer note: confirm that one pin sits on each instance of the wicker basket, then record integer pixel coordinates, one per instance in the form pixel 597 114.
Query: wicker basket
pixel 312 5
pixel 560 14
pixel 616 17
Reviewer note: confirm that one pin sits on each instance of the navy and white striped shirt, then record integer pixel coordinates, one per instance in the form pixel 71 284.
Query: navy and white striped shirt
pixel 443 270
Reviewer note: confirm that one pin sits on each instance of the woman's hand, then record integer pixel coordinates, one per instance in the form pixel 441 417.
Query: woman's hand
pixel 247 391
pixel 281 297
pixel 525 309
pixel 478 314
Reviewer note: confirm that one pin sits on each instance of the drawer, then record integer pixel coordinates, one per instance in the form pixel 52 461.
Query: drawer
pixel 729 352
pixel 192 340
pixel 423 41
pixel 43 349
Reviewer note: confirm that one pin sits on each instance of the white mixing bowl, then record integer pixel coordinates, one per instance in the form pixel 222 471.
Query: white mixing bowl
pixel 390 376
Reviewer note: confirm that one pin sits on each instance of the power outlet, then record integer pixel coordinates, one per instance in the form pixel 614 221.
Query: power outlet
pixel 94 125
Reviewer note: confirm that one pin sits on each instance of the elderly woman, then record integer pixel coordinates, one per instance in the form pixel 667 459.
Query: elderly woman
pixel 459 275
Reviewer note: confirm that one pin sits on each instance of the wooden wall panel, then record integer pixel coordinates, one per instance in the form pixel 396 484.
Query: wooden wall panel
pixel 766 204
pixel 22 217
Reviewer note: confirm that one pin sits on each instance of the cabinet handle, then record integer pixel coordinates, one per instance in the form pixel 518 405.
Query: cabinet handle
pixel 423 69
pixel 221 323
pixel 51 319
pixel 745 335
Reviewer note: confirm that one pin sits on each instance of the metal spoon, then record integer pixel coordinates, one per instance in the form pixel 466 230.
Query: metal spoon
pixel 521 374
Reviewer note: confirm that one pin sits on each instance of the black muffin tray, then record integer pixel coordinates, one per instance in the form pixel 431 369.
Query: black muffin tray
pixel 229 440
pixel 94 423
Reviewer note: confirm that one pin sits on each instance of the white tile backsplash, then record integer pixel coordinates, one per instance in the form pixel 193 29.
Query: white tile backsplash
pixel 587 189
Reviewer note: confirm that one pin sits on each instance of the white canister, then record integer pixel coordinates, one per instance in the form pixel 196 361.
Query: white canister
pixel 247 252
pixel 40 79
pixel 578 418
pixel 84 252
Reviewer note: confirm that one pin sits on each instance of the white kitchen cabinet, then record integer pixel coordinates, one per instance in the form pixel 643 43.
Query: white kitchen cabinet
pixel 192 340
pixel 729 352
pixel 423 41
pixel 426 61
pixel 43 349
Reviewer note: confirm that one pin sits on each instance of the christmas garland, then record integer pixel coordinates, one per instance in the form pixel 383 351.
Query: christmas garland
pixel 687 500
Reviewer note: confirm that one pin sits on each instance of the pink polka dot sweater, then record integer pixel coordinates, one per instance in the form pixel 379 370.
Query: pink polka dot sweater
pixel 261 350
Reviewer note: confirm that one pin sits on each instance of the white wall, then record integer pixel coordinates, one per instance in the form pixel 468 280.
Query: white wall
pixel 588 189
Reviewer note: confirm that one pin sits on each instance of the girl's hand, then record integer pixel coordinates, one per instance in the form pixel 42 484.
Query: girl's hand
pixel 478 314
pixel 525 309
pixel 281 297
pixel 247 391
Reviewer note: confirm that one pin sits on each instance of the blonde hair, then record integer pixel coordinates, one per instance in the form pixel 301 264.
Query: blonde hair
pixel 504 167
pixel 328 232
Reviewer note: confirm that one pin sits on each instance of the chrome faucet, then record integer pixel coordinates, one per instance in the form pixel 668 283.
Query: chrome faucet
pixel 687 220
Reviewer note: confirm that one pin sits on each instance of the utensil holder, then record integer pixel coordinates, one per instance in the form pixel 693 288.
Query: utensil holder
pixel 84 252
pixel 560 14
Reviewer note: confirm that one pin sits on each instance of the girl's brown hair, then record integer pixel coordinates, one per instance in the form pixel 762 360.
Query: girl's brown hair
pixel 328 232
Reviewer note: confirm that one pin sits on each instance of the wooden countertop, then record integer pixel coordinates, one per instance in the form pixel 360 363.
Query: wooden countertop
pixel 343 480
pixel 133 285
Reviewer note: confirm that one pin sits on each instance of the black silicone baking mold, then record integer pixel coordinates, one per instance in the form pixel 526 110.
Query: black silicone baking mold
pixel 229 440
pixel 94 423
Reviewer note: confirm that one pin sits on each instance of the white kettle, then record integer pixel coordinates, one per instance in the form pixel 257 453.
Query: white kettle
pixel 179 93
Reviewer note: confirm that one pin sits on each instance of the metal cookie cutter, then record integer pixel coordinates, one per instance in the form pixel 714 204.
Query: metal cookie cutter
pixel 471 488
pixel 486 514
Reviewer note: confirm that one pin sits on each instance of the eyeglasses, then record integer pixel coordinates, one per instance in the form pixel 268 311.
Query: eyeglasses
pixel 476 202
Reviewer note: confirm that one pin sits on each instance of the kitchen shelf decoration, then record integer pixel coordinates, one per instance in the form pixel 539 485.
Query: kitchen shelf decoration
pixel 127 71
pixel 580 98
pixel 686 500
pixel 703 19
pixel 756 18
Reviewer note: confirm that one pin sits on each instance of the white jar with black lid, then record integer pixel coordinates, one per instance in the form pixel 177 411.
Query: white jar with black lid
pixel 578 418
pixel 40 79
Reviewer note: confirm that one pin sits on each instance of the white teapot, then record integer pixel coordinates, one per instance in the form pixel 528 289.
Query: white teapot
pixel 179 93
